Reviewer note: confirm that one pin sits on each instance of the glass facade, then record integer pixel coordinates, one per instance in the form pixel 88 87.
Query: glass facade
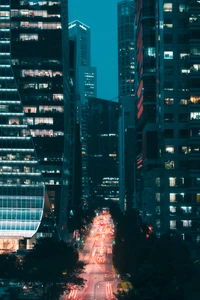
pixel 40 64
pixel 22 189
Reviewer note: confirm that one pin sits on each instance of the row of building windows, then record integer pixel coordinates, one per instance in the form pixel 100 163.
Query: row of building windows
pixel 40 3
pixel 43 109
pixel 40 73
pixel 168 7
pixel 192 100
pixel 177 197
pixel 32 13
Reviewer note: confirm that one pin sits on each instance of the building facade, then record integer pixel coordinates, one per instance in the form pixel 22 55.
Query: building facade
pixel 86 87
pixel 39 43
pixel 168 114
pixel 103 150
pixel 22 195
pixel 126 87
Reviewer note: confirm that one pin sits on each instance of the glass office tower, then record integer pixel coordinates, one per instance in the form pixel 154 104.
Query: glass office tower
pixel 22 190
pixel 126 87
pixel 40 63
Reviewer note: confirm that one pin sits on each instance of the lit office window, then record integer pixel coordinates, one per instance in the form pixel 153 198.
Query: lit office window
pixel 172 224
pixel 168 54
pixel 169 165
pixel 172 210
pixel 187 223
pixel 172 181
pixel 186 209
pixel 195 115
pixel 167 7
pixel 169 149
pixel 172 197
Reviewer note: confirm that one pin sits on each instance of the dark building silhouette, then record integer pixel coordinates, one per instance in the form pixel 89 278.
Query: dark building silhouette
pixel 168 128
pixel 126 87
pixel 40 49
pixel 103 150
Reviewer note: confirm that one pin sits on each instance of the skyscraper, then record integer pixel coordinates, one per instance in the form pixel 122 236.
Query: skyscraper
pixel 22 188
pixel 168 94
pixel 103 150
pixel 126 87
pixel 85 87
pixel 39 43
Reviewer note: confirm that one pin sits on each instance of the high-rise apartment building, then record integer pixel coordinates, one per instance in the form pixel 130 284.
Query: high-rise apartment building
pixel 85 87
pixel 103 150
pixel 39 43
pixel 168 93
pixel 126 87
pixel 22 191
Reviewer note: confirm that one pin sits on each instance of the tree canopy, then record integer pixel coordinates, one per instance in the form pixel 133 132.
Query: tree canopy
pixel 54 264
pixel 157 268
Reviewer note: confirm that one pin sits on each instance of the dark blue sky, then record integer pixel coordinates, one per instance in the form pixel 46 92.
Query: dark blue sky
pixel 101 16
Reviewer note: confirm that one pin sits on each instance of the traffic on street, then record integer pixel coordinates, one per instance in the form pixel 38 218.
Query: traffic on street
pixel 100 277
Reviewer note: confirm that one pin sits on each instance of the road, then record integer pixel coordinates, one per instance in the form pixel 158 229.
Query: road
pixel 97 254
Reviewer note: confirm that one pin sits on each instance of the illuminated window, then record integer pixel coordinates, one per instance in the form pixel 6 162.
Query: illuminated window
pixel 193 18
pixel 183 55
pixel 187 223
pixel 168 25
pixel 172 197
pixel 168 54
pixel 195 99
pixel 158 181
pixel 14 121
pixel 58 97
pixel 47 121
pixel 169 149
pixel 28 37
pixel 183 102
pixel 172 181
pixel 30 121
pixel 30 109
pixel 195 115
pixel 167 7
pixel 172 210
pixel 169 165
pixel 185 71
pixel 169 101
pixel 182 7
pixel 158 197
pixel 172 224
pixel 197 197
pixel 186 209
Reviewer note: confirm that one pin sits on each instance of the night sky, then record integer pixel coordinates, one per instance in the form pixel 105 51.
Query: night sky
pixel 101 17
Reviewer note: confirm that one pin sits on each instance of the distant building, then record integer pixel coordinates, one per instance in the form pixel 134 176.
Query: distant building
pixel 167 109
pixel 126 87
pixel 103 150
pixel 85 87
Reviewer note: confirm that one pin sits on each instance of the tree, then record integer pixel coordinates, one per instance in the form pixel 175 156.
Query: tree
pixel 131 245
pixel 54 265
pixel 9 266
pixel 167 272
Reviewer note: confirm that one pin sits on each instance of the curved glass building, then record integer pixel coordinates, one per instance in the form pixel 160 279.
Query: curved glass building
pixel 22 190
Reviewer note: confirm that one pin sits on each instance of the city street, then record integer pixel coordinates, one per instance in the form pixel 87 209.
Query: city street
pixel 99 274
